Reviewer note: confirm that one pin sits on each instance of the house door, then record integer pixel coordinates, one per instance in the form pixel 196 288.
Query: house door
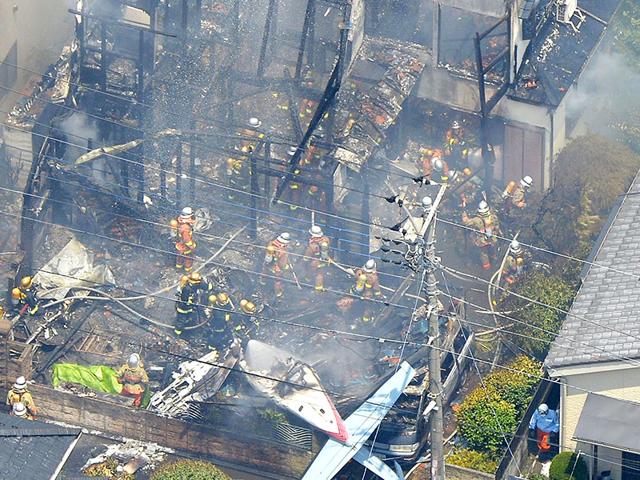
pixel 524 153
pixel 630 466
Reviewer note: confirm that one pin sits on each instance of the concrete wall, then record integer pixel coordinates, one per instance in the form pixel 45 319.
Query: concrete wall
pixel 41 28
pixel 233 448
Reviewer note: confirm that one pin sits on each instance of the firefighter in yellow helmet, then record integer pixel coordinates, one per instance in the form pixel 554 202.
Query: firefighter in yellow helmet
pixel 25 297
pixel 222 320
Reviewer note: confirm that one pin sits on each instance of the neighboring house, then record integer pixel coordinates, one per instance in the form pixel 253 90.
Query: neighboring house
pixel 596 355
pixel 545 57
pixel 34 450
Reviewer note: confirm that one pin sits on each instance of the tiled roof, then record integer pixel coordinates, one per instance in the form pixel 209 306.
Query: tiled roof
pixel 32 449
pixel 603 324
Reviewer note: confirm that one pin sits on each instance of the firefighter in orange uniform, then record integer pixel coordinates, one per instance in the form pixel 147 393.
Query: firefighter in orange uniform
pixel 185 245
pixel 276 262
pixel 487 229
pixel 455 144
pixel 367 287
pixel 317 256
pixel 134 379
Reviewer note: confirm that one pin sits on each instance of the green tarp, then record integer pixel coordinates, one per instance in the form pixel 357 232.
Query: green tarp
pixel 98 377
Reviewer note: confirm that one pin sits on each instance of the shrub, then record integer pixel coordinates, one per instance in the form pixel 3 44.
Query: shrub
pixel 464 457
pixel 533 318
pixel 564 464
pixel 484 419
pixel 537 476
pixel 191 470
pixel 516 388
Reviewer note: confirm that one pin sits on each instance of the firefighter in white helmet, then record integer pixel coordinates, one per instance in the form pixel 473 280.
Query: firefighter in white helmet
pixel 514 263
pixel 134 379
pixel 316 256
pixel 487 229
pixel 515 193
pixel 20 394
pixel 276 263
pixel 367 287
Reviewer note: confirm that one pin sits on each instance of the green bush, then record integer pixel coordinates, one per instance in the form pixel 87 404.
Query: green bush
pixel 537 476
pixel 484 419
pixel 564 464
pixel 464 457
pixel 538 324
pixel 189 470
pixel 516 388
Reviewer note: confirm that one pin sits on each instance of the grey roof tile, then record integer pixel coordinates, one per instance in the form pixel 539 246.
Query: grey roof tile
pixel 604 321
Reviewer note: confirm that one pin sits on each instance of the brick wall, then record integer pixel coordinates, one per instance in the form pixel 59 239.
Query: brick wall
pixel 232 448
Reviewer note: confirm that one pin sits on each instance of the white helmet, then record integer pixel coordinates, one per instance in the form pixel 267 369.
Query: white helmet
pixel 437 164
pixel 455 125
pixel 19 409
pixel 292 150
pixel 284 238
pixel 134 360
pixel 254 122
pixel 427 203
pixel 315 231
pixel 370 265
pixel 21 383
pixel 186 212
pixel 514 247
pixel 483 209
pixel 526 181
pixel 543 409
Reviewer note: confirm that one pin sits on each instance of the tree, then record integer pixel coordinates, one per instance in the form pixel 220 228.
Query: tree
pixel 481 461
pixel 189 470
pixel 537 323
pixel 515 387
pixel 485 419
pixel 568 466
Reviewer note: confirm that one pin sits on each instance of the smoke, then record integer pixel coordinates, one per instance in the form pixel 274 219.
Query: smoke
pixel 606 99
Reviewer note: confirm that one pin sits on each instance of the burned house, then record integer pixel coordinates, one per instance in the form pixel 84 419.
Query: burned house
pixel 532 52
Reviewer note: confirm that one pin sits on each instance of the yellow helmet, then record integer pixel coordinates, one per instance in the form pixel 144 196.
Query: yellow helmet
pixel 173 223
pixel 213 299
pixel 195 277
pixel 243 303
pixel 26 282
pixel 248 307
pixel 271 249
pixel 1 311
pixel 467 171
pixel 15 293
pixel 183 280
pixel 223 298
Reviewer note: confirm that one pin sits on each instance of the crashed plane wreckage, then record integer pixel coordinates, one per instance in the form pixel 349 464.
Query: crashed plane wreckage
pixel 195 381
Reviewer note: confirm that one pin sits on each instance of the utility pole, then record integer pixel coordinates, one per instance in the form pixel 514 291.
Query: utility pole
pixel 435 380
pixel 427 259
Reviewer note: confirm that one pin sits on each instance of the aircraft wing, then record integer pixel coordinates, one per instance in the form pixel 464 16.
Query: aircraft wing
pixel 377 466
pixel 360 425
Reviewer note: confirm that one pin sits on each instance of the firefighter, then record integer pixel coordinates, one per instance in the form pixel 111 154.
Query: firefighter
pixel 201 285
pixel 186 305
pixel 515 194
pixel 20 394
pixel 276 262
pixel 487 229
pixel 465 187
pixel 247 321
pixel 367 287
pixel 25 297
pixel 20 410
pixel 134 379
pixel 185 244
pixel 222 319
pixel 544 423
pixel 514 263
pixel 317 255
pixel 237 172
pixel 426 156
pixel 455 144
pixel 440 172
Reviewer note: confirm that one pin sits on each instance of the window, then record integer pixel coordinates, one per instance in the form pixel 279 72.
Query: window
pixel 630 466
pixel 9 72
